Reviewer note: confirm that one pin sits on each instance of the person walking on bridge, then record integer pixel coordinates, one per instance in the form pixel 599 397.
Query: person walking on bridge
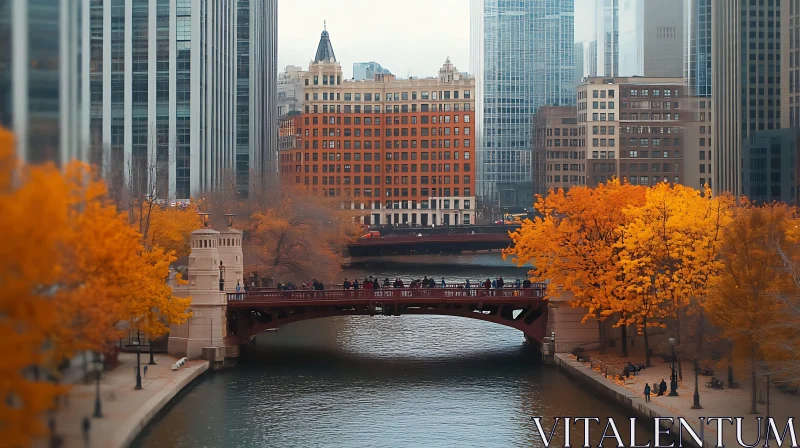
pixel 466 284
pixel 346 284
pixel 500 282
pixel 355 283
pixel 518 283
pixel 443 283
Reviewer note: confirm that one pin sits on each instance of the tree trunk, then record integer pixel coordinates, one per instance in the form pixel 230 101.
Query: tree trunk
pixel 624 340
pixel 601 334
pixel 753 409
pixel 646 346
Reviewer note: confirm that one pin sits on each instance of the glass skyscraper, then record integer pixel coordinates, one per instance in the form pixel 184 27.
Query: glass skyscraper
pixel 522 55
pixel 173 95
pixel 607 36
pixel 698 51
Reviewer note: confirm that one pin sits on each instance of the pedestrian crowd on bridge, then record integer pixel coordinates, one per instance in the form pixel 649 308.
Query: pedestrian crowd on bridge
pixel 372 283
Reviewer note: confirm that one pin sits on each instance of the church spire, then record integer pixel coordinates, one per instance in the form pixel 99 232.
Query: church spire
pixel 325 49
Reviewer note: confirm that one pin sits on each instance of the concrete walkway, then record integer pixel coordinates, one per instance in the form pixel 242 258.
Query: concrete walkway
pixel 716 403
pixel 125 411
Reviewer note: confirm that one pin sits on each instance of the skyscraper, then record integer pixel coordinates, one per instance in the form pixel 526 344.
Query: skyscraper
pixel 166 94
pixel 368 70
pixel 522 55
pixel 607 37
pixel 745 75
pixel 698 47
pixel 40 77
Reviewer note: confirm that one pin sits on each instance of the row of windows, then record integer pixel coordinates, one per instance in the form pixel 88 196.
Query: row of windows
pixel 396 180
pixel 389 192
pixel 398 144
pixel 559 132
pixel 397 96
pixel 566 167
pixel 389 109
pixel 397 168
pixel 388 121
pixel 396 132
pixel 653 154
pixel 578 155
pixel 573 179
pixel 647 167
pixel 368 157
pixel 564 142
pixel 644 142
pixel 582 94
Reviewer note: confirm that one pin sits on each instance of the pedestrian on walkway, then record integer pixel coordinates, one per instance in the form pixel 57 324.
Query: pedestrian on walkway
pixel 87 425
pixel 145 371
pixel 443 283
pixel 646 393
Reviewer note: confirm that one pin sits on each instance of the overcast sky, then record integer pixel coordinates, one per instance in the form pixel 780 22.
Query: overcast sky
pixel 407 37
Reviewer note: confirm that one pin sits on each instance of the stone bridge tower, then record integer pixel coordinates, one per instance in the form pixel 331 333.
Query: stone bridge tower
pixel 207 326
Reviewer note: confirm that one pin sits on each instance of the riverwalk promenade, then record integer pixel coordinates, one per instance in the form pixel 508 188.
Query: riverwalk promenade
pixel 715 403
pixel 125 411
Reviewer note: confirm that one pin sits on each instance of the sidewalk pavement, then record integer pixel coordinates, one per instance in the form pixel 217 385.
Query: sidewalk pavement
pixel 716 403
pixel 125 411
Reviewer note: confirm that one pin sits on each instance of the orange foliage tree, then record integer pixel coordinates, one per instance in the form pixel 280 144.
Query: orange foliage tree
pixel 71 269
pixel 573 246
pixel 169 227
pixel 289 233
pixel 669 253
pixel 33 216
pixel 743 300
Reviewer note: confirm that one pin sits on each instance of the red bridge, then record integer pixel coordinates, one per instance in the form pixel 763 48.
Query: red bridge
pixel 428 243
pixel 255 311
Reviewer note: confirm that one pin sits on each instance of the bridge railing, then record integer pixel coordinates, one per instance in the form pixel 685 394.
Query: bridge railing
pixel 389 294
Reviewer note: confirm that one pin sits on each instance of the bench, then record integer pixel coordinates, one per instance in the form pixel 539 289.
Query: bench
pixel 179 363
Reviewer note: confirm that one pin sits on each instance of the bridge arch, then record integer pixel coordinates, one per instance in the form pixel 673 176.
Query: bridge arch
pixel 521 309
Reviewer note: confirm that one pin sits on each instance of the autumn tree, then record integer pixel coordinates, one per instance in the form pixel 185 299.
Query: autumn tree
pixel 33 216
pixel 743 301
pixel 669 254
pixel 573 246
pixel 289 232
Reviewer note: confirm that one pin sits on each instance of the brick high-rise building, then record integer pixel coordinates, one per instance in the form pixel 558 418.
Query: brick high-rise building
pixel 403 150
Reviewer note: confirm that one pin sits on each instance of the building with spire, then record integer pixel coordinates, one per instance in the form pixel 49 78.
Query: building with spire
pixel 394 151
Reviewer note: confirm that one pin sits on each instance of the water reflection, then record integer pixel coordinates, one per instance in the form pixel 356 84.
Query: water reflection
pixel 409 381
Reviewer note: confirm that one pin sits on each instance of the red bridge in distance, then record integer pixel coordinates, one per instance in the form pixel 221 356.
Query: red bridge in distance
pixel 428 243
pixel 255 311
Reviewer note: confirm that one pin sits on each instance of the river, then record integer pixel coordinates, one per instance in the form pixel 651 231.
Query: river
pixel 383 381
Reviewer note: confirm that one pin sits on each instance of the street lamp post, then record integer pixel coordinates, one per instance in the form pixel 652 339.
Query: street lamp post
pixel 673 381
pixel 152 361
pixel 98 408
pixel 138 369
pixel 696 404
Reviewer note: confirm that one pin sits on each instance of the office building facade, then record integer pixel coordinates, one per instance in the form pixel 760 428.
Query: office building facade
pixel 173 95
pixel 698 47
pixel 558 159
pixel 769 165
pixel 607 37
pixel 522 56
pixel 41 78
pixel 746 78
pixel 790 66
pixel 633 128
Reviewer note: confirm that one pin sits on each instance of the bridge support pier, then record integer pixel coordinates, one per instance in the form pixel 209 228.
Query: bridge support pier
pixel 565 321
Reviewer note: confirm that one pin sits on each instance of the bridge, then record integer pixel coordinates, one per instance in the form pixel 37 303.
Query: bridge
pixel 428 243
pixel 252 312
